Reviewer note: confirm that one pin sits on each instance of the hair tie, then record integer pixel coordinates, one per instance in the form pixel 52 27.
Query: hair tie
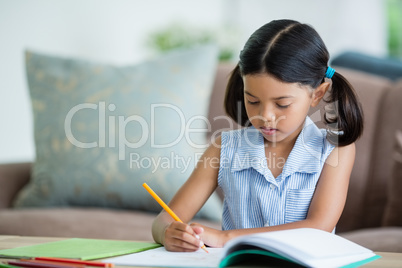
pixel 329 73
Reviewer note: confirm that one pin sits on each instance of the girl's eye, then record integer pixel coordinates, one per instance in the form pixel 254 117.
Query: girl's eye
pixel 252 102
pixel 282 106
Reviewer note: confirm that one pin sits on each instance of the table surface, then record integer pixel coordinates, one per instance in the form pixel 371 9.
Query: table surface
pixel 388 259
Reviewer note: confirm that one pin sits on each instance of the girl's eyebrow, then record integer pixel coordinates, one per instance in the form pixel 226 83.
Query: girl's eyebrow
pixel 284 97
pixel 277 98
pixel 248 93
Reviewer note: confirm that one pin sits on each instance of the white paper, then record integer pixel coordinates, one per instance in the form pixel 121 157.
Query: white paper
pixel 163 258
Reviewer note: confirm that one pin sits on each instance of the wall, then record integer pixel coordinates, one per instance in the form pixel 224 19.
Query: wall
pixel 114 31
pixel 343 24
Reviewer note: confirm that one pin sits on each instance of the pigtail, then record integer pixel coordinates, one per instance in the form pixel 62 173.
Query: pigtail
pixel 234 98
pixel 348 114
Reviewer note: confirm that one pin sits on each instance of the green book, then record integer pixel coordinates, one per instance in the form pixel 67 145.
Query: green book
pixel 78 248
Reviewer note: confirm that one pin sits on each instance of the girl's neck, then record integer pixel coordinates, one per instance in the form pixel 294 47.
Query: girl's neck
pixel 277 153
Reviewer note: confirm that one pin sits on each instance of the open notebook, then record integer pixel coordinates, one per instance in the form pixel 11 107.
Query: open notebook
pixel 305 246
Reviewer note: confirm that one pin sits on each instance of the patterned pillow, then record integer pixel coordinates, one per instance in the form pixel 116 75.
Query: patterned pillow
pixel 101 130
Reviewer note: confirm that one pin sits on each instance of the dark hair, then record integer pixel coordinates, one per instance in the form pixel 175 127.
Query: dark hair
pixel 294 53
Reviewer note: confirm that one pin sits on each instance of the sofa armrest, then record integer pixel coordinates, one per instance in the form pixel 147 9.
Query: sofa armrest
pixel 12 178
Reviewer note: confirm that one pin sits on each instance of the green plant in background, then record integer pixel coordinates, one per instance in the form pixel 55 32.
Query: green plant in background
pixel 177 35
pixel 394 12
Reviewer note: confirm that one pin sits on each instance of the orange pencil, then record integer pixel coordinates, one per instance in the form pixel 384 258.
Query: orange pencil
pixel 165 207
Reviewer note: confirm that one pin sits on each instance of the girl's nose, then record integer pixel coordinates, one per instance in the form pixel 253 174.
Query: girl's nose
pixel 267 114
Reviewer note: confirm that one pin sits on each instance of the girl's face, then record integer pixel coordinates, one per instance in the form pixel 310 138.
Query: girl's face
pixel 275 108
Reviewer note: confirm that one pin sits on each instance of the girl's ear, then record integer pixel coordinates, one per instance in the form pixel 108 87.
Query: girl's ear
pixel 319 93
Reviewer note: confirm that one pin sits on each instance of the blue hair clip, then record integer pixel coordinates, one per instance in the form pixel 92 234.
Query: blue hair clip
pixel 329 73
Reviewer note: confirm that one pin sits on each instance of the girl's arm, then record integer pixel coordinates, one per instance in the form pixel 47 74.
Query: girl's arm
pixel 326 205
pixel 176 236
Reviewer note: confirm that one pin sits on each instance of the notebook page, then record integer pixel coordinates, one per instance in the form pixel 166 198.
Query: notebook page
pixel 163 258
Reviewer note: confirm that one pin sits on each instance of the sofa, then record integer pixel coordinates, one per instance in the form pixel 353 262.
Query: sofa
pixel 363 220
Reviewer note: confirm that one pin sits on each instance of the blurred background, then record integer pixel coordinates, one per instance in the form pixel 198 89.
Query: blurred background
pixel 125 32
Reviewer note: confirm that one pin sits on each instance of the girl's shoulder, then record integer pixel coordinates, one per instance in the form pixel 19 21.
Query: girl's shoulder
pixel 346 153
pixel 314 139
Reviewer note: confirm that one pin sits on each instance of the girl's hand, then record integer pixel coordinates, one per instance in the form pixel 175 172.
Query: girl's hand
pixel 182 237
pixel 211 237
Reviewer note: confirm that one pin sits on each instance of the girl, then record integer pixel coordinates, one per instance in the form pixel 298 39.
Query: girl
pixel 280 171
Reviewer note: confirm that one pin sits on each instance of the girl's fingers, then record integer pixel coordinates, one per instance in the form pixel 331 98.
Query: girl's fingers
pixel 180 249
pixel 197 228
pixel 181 237
pixel 175 244
pixel 179 245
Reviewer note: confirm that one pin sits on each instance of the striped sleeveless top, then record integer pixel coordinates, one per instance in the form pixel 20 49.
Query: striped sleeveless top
pixel 253 197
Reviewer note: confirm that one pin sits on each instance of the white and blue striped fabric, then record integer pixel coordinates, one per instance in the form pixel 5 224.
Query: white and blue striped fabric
pixel 253 197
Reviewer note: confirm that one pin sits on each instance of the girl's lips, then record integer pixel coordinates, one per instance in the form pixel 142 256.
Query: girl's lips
pixel 268 131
